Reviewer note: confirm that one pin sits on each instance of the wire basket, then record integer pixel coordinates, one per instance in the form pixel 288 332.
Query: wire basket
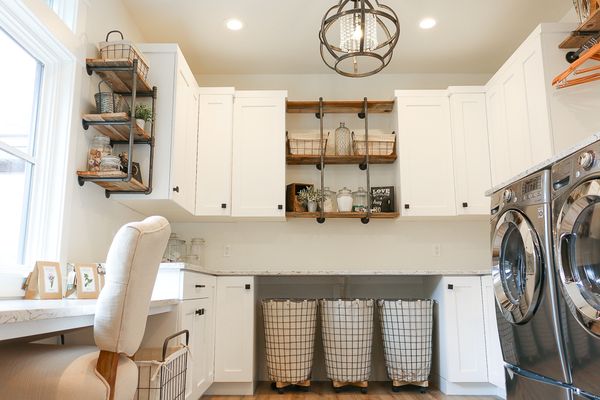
pixel 289 338
pixel 307 144
pixel 109 102
pixel 164 379
pixel 123 50
pixel 406 327
pixel 380 144
pixel 347 338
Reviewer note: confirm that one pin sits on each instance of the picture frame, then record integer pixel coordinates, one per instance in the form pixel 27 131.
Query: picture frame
pixel 45 281
pixel 87 281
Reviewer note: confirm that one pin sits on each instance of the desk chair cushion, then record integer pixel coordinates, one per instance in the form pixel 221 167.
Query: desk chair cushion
pixel 50 372
pixel 131 269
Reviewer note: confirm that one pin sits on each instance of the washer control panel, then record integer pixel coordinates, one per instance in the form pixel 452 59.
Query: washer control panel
pixel 531 189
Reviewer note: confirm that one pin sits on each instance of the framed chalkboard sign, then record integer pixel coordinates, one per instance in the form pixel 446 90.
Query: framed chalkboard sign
pixel 382 199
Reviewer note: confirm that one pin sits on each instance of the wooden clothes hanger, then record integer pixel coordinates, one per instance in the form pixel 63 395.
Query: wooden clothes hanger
pixel 589 51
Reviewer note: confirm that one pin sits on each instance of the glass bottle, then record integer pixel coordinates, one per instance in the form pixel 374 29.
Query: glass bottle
pixel 344 200
pixel 100 147
pixel 342 140
pixel 175 251
pixel 360 200
pixel 329 200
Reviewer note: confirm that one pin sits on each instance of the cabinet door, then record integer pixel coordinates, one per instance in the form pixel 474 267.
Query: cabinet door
pixel 499 149
pixel 185 140
pixel 194 318
pixel 493 350
pixel 471 153
pixel 465 332
pixel 234 341
pixel 213 183
pixel 258 155
pixel 425 147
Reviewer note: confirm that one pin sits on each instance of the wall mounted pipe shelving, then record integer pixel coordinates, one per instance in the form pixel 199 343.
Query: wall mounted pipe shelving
pixel 121 128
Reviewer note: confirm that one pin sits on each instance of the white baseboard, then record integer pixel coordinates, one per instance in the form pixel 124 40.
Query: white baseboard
pixel 231 389
pixel 470 389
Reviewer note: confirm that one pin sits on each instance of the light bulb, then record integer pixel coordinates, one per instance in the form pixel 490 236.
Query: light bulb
pixel 427 23
pixel 234 24
pixel 357 34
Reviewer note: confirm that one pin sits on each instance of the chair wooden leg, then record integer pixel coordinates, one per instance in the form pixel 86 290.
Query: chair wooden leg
pixel 107 367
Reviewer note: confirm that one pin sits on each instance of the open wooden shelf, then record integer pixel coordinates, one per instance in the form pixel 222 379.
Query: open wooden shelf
pixel 120 81
pixel 116 185
pixel 340 107
pixel 295 159
pixel 382 215
pixel 119 131
pixel 583 33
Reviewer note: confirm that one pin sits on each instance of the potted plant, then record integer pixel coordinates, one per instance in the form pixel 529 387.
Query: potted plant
pixel 143 114
pixel 310 197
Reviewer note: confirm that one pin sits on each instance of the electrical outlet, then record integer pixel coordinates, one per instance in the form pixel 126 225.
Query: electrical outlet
pixel 227 250
pixel 437 250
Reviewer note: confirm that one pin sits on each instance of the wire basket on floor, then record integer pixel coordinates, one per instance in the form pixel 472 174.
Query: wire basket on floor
pixel 406 327
pixel 347 339
pixel 290 326
pixel 164 379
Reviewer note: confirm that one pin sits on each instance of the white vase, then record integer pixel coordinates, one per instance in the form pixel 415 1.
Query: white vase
pixel 312 206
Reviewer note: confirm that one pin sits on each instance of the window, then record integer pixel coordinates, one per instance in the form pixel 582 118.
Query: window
pixel 20 80
pixel 66 10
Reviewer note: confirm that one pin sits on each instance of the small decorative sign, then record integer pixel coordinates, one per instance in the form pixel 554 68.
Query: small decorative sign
pixel 84 280
pixel 44 282
pixel 382 199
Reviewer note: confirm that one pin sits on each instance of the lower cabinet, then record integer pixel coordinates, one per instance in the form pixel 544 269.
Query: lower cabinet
pixel 492 338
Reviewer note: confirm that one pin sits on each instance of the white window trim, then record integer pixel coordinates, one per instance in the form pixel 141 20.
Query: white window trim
pixel 54 124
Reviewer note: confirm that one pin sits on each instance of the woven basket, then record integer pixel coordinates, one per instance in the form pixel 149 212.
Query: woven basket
pixel 123 50
pixel 347 338
pixel 406 327
pixel 289 338
pixel 109 102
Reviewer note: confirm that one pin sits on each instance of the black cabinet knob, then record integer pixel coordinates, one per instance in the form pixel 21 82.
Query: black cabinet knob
pixel 407 206
pixel 223 205
pixel 247 286
pixel 450 287
pixel 465 204
pixel 200 311
pixel 176 189
pixel 200 286
pixel 280 206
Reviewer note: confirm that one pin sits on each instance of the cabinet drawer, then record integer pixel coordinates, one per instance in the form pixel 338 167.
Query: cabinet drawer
pixel 197 285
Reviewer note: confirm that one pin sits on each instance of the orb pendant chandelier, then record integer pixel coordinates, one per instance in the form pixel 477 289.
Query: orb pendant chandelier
pixel 358 37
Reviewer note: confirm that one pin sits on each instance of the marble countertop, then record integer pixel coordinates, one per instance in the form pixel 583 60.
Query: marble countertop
pixel 20 310
pixel 546 163
pixel 326 271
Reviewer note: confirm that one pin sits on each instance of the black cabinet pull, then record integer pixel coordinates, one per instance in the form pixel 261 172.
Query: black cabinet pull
pixel 200 286
pixel 247 286
pixel 407 206
pixel 450 287
pixel 465 204
pixel 176 189
pixel 223 205
pixel 200 311
pixel 280 206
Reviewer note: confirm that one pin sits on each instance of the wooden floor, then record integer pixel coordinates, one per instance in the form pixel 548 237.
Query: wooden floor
pixel 323 390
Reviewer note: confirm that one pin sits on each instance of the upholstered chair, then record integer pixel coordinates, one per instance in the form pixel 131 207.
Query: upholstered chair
pixel 105 371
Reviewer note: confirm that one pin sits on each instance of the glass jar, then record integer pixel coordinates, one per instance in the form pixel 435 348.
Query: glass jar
pixel 360 200
pixel 344 200
pixel 342 140
pixel 100 147
pixel 175 251
pixel 329 200
pixel 196 254
pixel 110 163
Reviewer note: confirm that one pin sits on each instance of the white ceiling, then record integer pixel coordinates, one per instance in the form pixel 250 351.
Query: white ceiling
pixel 280 36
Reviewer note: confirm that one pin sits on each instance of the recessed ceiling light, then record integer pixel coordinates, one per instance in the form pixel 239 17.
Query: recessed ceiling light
pixel 234 24
pixel 427 23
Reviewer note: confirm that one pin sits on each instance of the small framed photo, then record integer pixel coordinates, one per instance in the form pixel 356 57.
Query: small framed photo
pixel 88 283
pixel 49 280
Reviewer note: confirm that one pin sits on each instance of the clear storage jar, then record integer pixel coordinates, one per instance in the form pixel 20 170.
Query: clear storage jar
pixel 100 147
pixel 175 251
pixel 344 200
pixel 110 163
pixel 360 200
pixel 329 200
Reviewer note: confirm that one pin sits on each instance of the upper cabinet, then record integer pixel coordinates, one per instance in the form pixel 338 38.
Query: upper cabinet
pixel 215 138
pixel 425 153
pixel 258 188
pixel 470 149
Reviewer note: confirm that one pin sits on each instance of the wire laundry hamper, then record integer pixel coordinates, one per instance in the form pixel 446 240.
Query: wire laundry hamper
pixel 290 326
pixel 347 340
pixel 164 379
pixel 406 327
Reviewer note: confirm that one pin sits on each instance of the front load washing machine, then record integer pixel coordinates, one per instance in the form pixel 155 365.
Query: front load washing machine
pixel 576 224
pixel 524 280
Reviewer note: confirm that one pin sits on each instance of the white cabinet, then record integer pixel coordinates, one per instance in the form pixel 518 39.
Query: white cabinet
pixel 258 188
pixel 234 345
pixel 425 153
pixel 215 134
pixel 492 338
pixel 470 150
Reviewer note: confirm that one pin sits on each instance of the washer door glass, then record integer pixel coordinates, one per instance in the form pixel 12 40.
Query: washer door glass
pixel 579 253
pixel 516 269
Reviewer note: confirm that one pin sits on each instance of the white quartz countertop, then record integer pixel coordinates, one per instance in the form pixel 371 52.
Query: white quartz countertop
pixel 326 271
pixel 546 163
pixel 20 310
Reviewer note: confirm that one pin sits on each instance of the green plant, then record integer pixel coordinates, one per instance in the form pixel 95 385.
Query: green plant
pixel 310 194
pixel 143 111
